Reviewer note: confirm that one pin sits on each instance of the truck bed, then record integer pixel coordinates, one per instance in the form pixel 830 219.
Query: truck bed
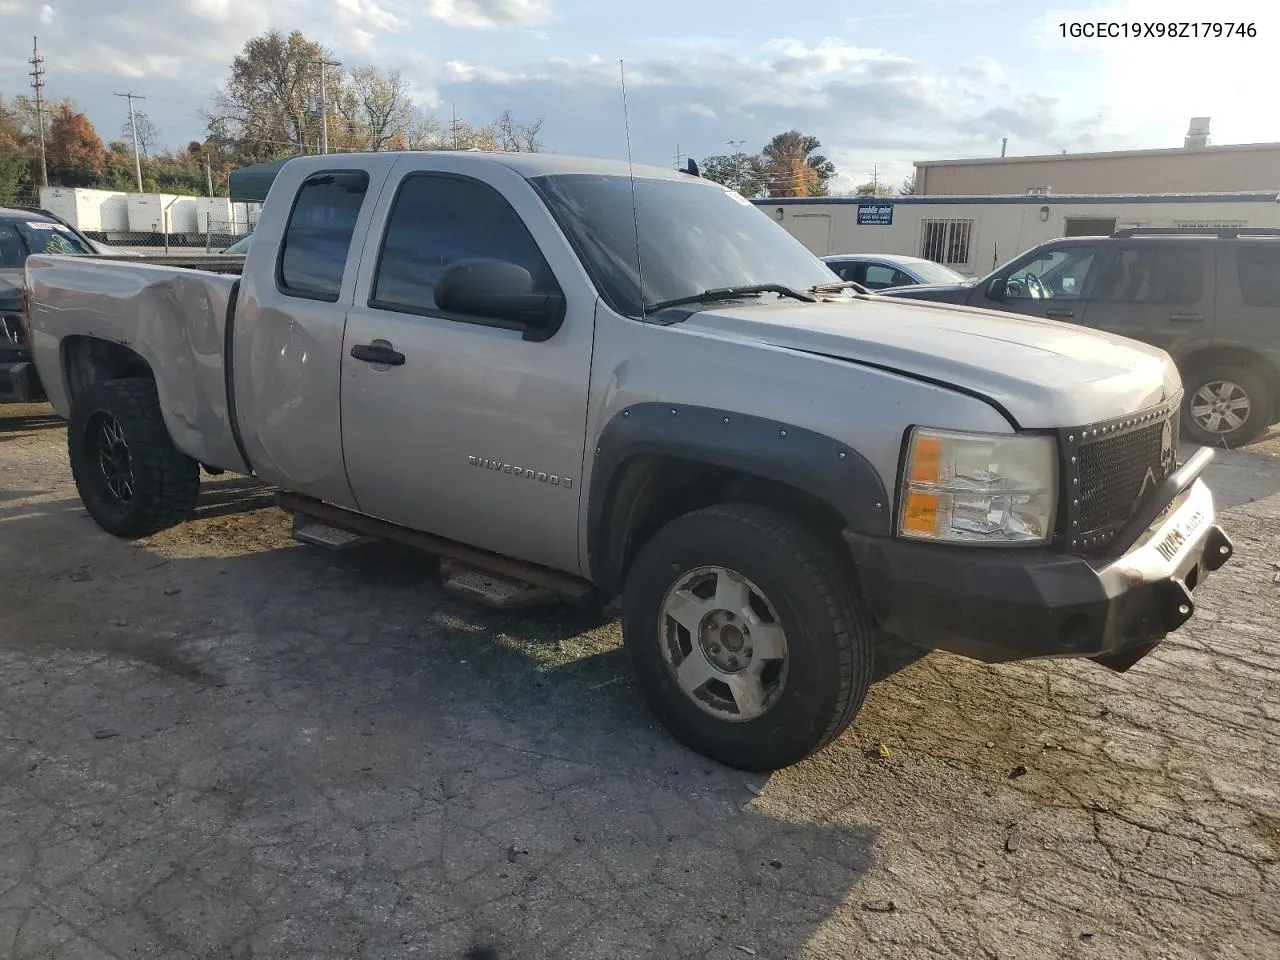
pixel 174 317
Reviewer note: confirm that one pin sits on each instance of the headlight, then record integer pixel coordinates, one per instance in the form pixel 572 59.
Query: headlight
pixel 978 487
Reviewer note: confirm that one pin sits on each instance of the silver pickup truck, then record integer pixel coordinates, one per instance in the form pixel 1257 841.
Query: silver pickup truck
pixel 569 376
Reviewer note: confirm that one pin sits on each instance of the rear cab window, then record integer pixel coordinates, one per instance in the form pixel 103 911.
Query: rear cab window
pixel 317 239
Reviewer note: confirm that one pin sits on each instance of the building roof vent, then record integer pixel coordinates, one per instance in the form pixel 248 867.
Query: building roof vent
pixel 1197 133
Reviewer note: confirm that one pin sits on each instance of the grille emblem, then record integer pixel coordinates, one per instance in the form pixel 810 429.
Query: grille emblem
pixel 1167 452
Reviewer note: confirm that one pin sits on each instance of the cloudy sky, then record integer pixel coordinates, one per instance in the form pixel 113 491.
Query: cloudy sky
pixel 879 84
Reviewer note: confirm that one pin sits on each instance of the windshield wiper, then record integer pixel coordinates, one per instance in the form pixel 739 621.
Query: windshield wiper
pixel 835 286
pixel 732 293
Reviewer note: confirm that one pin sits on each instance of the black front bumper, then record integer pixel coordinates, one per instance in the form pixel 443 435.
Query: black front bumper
pixel 999 605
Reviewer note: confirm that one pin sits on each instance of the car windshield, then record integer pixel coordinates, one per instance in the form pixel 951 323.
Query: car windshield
pixel 693 236
pixel 240 246
pixel 19 239
pixel 931 272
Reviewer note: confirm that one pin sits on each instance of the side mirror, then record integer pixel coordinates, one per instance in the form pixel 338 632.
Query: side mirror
pixel 996 290
pixel 500 290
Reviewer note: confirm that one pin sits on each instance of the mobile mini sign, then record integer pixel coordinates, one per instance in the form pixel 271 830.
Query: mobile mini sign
pixel 875 214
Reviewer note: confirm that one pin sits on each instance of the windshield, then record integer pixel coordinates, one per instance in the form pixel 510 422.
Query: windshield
pixel 931 272
pixel 20 239
pixel 240 246
pixel 694 236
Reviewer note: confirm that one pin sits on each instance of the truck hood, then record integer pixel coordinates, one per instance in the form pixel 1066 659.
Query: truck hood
pixel 943 292
pixel 1043 373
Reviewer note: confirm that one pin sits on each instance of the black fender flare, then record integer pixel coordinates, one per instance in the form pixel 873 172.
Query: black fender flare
pixel 810 462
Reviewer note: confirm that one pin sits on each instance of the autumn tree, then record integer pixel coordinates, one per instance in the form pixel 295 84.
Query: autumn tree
pixel 377 106
pixel 793 168
pixel 74 150
pixel 742 172
pixel 270 103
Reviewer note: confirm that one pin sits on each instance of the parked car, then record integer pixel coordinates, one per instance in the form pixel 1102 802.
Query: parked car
pixel 480 355
pixel 1210 298
pixel 240 247
pixel 23 232
pixel 876 271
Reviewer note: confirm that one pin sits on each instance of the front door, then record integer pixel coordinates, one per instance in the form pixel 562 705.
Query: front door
pixel 1053 283
pixel 477 433
pixel 1160 292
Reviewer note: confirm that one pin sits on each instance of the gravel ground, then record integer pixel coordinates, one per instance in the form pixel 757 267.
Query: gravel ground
pixel 218 743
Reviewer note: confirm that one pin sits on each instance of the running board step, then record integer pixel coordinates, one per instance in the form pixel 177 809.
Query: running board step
pixel 517 576
pixel 317 533
pixel 490 589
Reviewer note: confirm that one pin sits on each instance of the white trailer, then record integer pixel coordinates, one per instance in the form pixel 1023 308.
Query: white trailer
pixel 973 235
pixel 78 206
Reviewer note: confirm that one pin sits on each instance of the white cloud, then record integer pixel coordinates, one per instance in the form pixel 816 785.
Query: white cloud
pixel 487 14
pixel 47 13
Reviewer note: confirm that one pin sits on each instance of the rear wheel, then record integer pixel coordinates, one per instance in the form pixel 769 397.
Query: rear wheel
pixel 131 478
pixel 1226 406
pixel 747 635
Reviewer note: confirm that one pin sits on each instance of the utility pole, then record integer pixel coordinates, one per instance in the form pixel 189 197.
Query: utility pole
pixel 133 128
pixel 453 126
pixel 324 101
pixel 208 169
pixel 679 156
pixel 37 84
pixel 1004 142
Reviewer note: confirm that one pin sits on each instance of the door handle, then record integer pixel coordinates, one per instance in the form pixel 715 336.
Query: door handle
pixel 378 352
pixel 1187 317
pixel 1059 313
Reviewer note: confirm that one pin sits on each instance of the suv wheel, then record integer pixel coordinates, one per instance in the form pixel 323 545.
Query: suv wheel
pixel 1226 406
pixel 748 636
pixel 134 482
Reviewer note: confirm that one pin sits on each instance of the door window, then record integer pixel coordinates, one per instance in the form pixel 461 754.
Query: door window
pixel 437 219
pixel 1258 267
pixel 313 253
pixel 1054 274
pixel 880 275
pixel 847 269
pixel 1167 274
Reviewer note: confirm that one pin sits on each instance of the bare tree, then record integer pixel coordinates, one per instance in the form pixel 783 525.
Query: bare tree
pixel 514 136
pixel 148 137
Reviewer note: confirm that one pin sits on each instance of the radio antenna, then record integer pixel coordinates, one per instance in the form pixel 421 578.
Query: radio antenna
pixel 631 171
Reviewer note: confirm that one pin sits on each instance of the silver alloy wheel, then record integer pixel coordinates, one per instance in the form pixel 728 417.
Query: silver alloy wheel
pixel 723 644
pixel 1220 406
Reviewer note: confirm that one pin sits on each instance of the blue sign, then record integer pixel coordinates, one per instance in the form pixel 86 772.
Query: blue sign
pixel 875 214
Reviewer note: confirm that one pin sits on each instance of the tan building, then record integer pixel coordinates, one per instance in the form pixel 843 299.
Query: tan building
pixel 1193 169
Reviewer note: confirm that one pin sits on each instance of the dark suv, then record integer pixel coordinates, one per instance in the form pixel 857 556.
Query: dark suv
pixel 24 232
pixel 1210 297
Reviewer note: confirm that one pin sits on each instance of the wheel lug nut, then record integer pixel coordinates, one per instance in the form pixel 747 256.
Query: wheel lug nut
pixel 747 651
pixel 733 661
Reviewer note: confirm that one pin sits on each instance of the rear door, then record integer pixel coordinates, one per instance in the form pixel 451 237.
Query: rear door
pixel 1157 291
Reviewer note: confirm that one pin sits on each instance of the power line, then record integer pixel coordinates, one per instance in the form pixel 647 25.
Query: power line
pixel 133 129
pixel 37 84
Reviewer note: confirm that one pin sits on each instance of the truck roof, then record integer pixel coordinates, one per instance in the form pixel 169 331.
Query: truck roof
pixel 528 165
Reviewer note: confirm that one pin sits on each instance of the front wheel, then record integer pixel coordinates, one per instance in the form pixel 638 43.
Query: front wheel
pixel 748 636
pixel 1226 406
pixel 132 479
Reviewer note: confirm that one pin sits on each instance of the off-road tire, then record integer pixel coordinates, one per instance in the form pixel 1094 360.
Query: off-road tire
pixel 815 593
pixel 166 482
pixel 1262 410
